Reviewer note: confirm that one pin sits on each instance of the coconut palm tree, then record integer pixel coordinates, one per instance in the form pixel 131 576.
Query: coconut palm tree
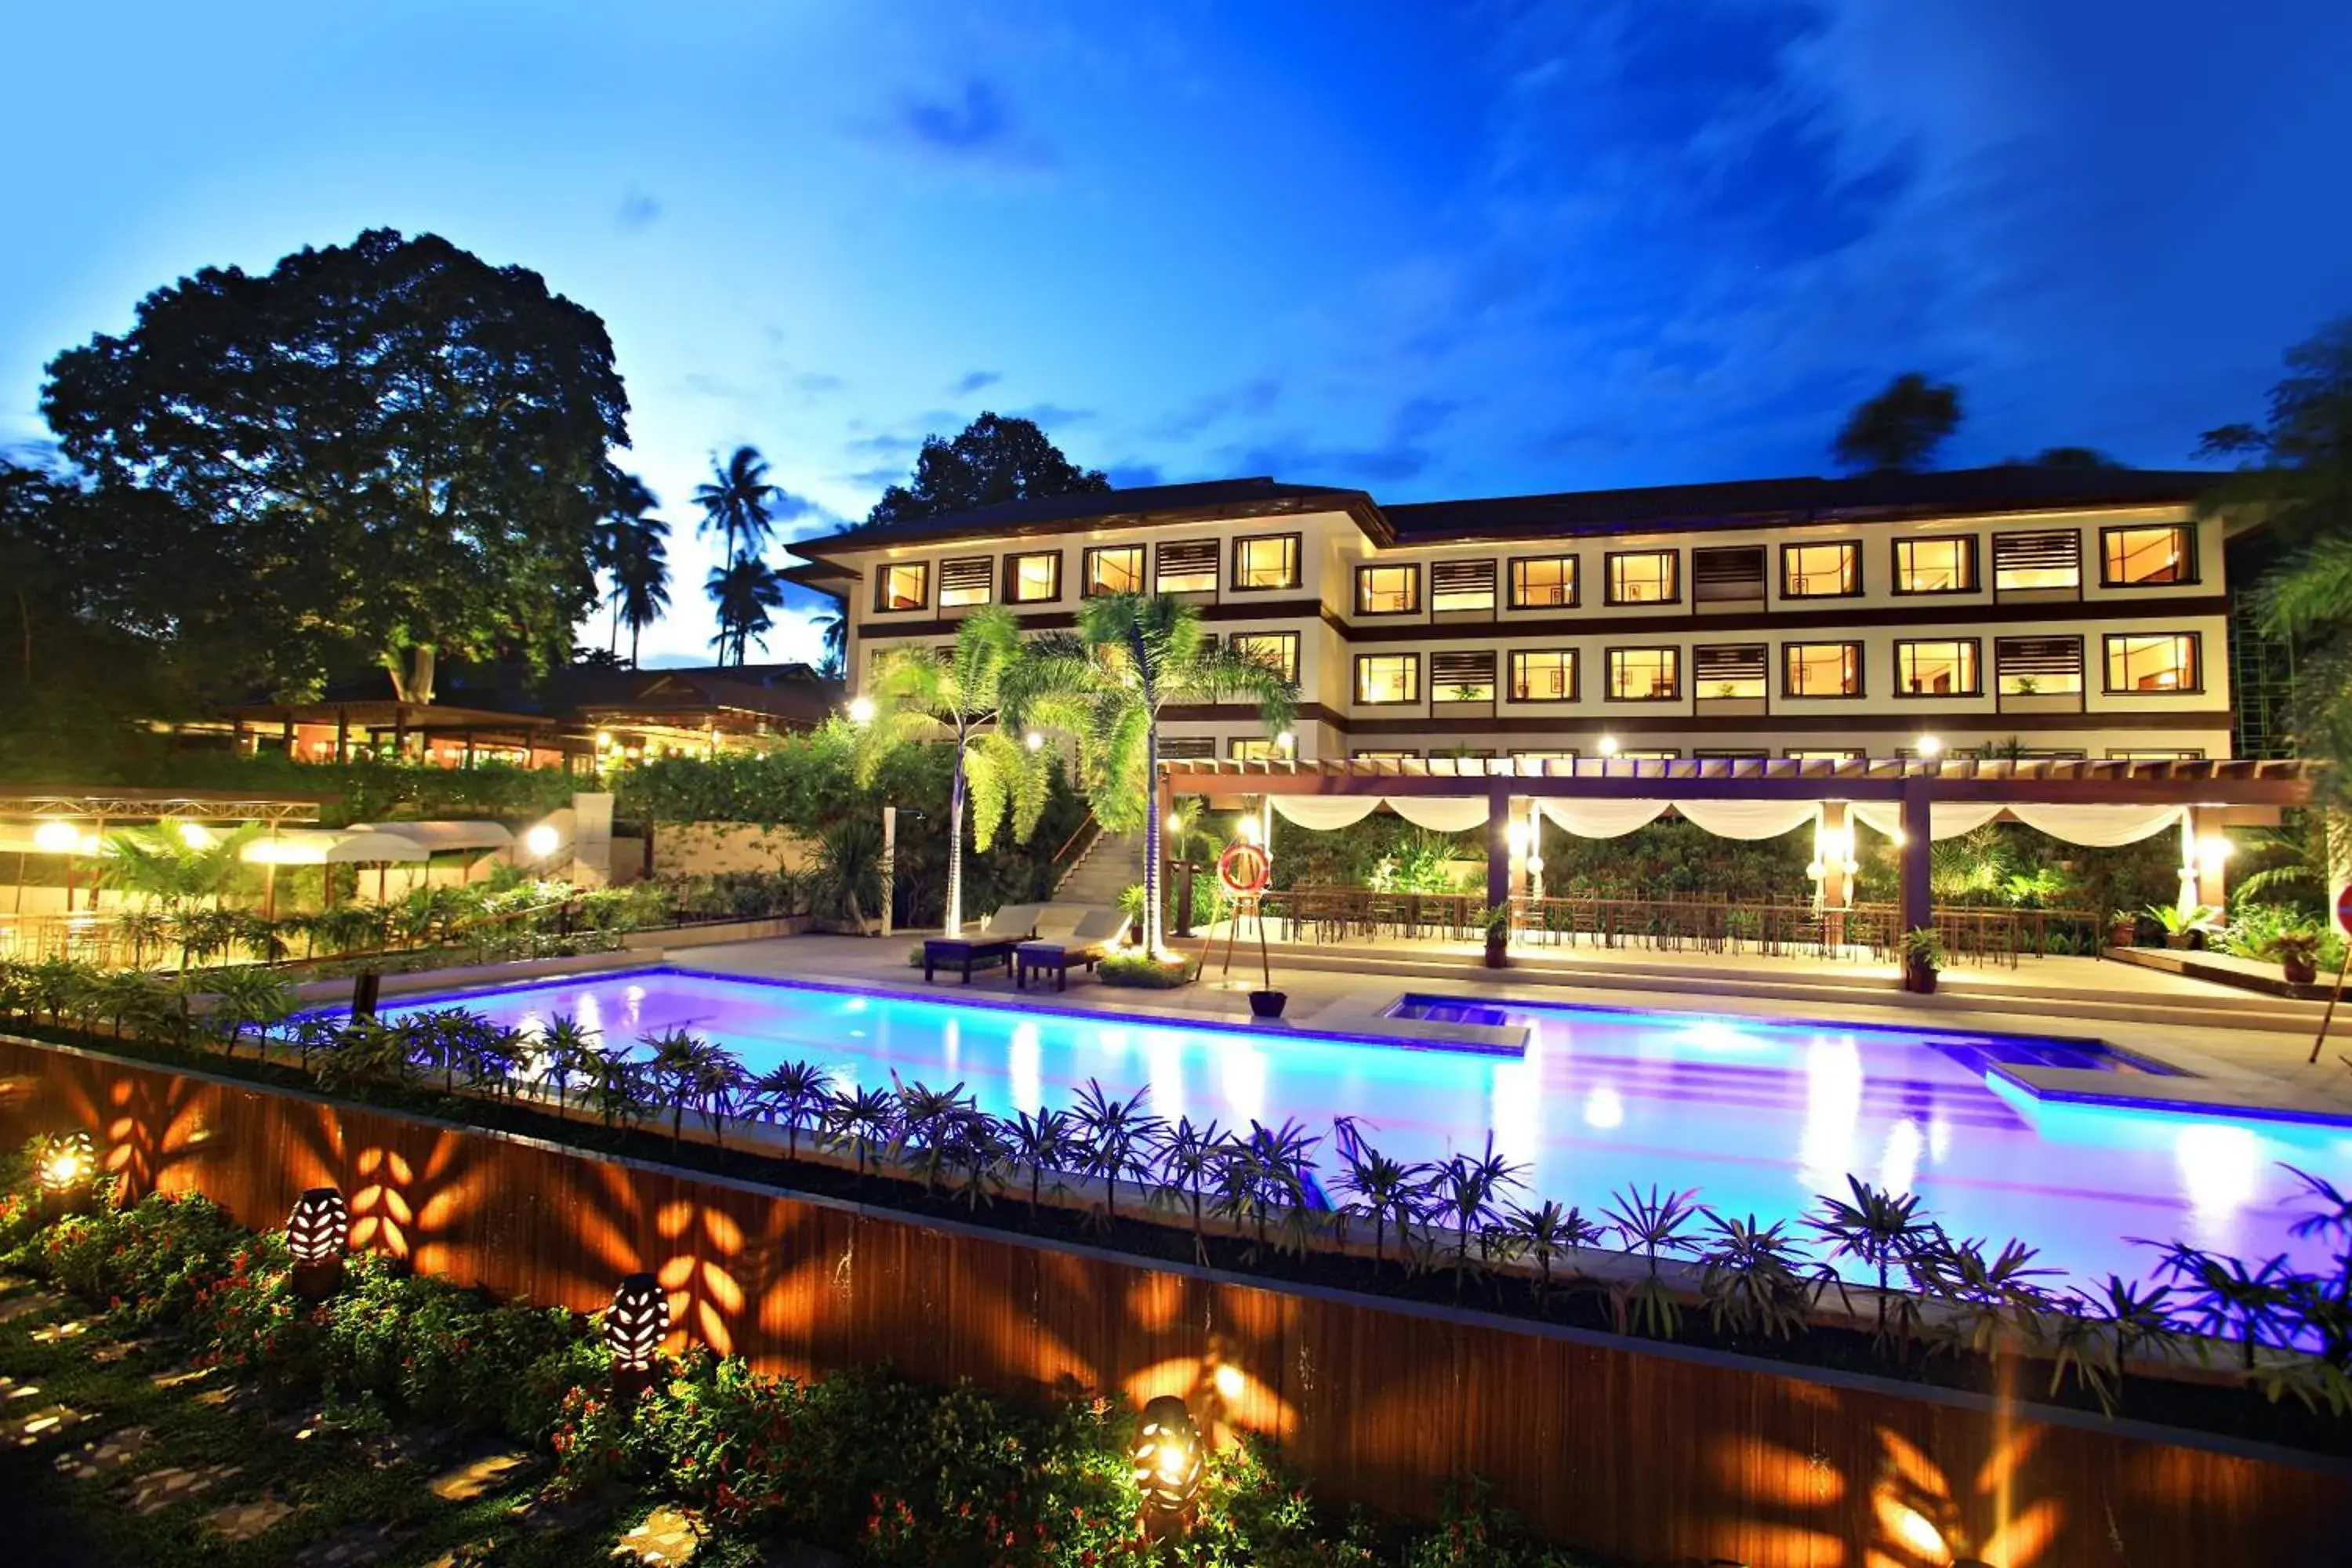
pixel 835 628
pixel 913 691
pixel 173 863
pixel 1134 656
pixel 738 503
pixel 743 594
pixel 635 556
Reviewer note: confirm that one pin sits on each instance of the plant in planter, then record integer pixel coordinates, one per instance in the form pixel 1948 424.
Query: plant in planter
pixel 2297 951
pixel 1496 921
pixel 2123 927
pixel 1922 955
pixel 2185 928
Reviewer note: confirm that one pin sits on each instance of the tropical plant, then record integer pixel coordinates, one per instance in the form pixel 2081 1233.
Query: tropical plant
pixel 1110 1134
pixel 682 1066
pixel 1752 1279
pixel 1462 1190
pixel 860 1119
pixel 914 691
pixel 566 1050
pixel 792 1094
pixel 2177 922
pixel 1184 1158
pixel 1133 657
pixel 738 504
pixel 1922 947
pixel 926 1126
pixel 1882 1231
pixel 1386 1191
pixel 636 558
pixel 743 591
pixel 249 998
pixel 1651 1223
pixel 1546 1231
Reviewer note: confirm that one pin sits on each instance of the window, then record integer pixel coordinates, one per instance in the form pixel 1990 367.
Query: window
pixel 1032 579
pixel 1278 651
pixel 1545 756
pixel 1644 674
pixel 1735 754
pixel 1821 669
pixel 2157 661
pixel 1254 749
pixel 2028 561
pixel 1271 562
pixel 1935 566
pixel 2184 756
pixel 1387 678
pixel 1543 675
pixel 1385 756
pixel 1800 756
pixel 1387 590
pixel 965 581
pixel 903 587
pixel 1114 568
pixel 1190 567
pixel 1458 586
pixel 1654 754
pixel 1644 577
pixel 1820 571
pixel 1946 669
pixel 1457 676
pixel 1543 582
pixel 1730 671
pixel 1734 576
pixel 2037 666
pixel 1186 747
pixel 2146 557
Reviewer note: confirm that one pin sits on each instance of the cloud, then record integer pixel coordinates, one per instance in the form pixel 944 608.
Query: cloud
pixel 637 211
pixel 816 382
pixel 974 126
pixel 972 381
pixel 882 443
pixel 1251 397
pixel 1045 415
pixel 877 478
pixel 1403 452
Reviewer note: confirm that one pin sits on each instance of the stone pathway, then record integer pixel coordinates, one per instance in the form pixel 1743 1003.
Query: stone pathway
pixel 485 1473
pixel 171 1380
pixel 159 1490
pixel 58 1332
pixel 24 1427
pixel 29 1303
pixel 105 1456
pixel 245 1521
pixel 667 1539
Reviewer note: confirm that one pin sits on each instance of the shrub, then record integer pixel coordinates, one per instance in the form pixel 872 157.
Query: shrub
pixel 1141 970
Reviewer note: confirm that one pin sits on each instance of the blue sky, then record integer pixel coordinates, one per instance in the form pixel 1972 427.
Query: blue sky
pixel 1434 250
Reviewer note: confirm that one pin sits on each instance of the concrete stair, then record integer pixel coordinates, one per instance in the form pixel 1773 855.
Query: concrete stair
pixel 1105 870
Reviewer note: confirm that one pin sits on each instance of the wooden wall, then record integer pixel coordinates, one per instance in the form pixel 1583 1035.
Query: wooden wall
pixel 1643 1457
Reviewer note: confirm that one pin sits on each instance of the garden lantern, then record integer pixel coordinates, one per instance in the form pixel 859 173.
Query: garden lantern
pixel 1167 1460
pixel 316 1233
pixel 635 1326
pixel 64 1170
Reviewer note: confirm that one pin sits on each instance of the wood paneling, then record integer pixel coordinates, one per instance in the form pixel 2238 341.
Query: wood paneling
pixel 1644 1457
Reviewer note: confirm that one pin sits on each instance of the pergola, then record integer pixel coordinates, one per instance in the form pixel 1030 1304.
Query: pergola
pixel 1904 793
pixel 72 820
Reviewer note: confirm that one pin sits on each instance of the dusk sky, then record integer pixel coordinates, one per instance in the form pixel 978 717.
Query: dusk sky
pixel 1431 250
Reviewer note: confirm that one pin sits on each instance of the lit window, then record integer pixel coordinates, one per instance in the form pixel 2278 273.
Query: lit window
pixel 1190 567
pixel 1727 672
pixel 1822 668
pixel 1254 749
pixel 1543 582
pixel 2162 662
pixel 1647 754
pixel 1385 756
pixel 1936 668
pixel 1826 756
pixel 2037 666
pixel 1545 756
pixel 1462 677
pixel 2144 557
pixel 1033 579
pixel 1544 675
pixel 2023 562
pixel 1643 577
pixel 1114 568
pixel 1935 566
pixel 906 587
pixel 1278 651
pixel 1387 590
pixel 965 581
pixel 2167 756
pixel 1383 678
pixel 1270 563
pixel 1820 571
pixel 1644 674
pixel 1460 585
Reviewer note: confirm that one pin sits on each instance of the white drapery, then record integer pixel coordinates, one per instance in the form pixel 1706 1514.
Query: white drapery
pixel 1441 813
pixel 1600 818
pixel 1947 819
pixel 1325 812
pixel 2100 827
pixel 1749 818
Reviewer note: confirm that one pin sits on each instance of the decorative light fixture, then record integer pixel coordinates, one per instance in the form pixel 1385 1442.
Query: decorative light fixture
pixel 66 1163
pixel 604 740
pixel 1167 1460
pixel 1247 829
pixel 195 835
pixel 1175 823
pixel 316 1234
pixel 542 841
pixel 635 1326
pixel 1034 740
pixel 1516 838
pixel 1608 745
pixel 1930 747
pixel 57 836
pixel 1286 741
pixel 861 709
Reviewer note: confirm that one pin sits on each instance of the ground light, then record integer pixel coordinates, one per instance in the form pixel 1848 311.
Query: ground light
pixel 1168 1461
pixel 66 1164
pixel 316 1234
pixel 635 1326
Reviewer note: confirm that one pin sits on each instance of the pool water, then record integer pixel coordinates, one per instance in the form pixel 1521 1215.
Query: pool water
pixel 1758 1117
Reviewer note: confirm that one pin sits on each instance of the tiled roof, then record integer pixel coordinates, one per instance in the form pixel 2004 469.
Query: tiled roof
pixel 1238 497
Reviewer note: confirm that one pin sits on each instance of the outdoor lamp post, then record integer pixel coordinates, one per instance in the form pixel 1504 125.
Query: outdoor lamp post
pixel 67 1162
pixel 635 1326
pixel 316 1234
pixel 1168 1462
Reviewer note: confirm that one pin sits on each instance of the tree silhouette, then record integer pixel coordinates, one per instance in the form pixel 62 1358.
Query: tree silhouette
pixel 996 459
pixel 743 594
pixel 738 503
pixel 1898 430
pixel 636 558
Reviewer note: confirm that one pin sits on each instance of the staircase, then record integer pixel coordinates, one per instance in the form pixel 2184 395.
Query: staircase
pixel 1103 872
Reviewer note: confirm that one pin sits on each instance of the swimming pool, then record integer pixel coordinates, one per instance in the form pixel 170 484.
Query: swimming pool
pixel 1757 1116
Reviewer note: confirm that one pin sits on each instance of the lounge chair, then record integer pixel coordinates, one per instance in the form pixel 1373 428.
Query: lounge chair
pixel 993 942
pixel 1098 926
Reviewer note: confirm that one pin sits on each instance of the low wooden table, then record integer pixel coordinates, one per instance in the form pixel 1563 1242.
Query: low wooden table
pixel 964 951
pixel 1053 958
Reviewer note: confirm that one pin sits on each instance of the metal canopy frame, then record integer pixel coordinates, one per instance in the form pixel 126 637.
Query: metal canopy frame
pixel 137 804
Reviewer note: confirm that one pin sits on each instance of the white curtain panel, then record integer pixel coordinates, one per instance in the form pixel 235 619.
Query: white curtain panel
pixel 2100 827
pixel 1749 818
pixel 1325 812
pixel 1601 818
pixel 1441 813
pixel 1947 819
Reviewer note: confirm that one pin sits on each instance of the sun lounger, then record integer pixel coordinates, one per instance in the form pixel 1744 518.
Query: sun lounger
pixel 988 944
pixel 1098 929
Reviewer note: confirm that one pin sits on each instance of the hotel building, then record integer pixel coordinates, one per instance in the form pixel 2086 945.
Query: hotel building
pixel 2032 612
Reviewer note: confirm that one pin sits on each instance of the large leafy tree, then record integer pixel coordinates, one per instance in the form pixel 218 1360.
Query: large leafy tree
pixel 2296 470
pixel 1135 655
pixel 1898 430
pixel 996 459
pixel 382 452
pixel 743 592
pixel 916 694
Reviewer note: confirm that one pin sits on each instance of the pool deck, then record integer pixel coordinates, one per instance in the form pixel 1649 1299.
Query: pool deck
pixel 2248 1050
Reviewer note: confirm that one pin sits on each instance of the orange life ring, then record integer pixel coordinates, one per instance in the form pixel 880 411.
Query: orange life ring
pixel 1245 868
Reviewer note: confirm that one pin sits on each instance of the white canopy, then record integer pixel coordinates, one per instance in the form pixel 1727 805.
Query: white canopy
pixel 442 837
pixel 331 847
pixel 1945 819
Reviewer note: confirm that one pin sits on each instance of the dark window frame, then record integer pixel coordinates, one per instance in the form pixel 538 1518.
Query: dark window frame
pixel 1214 560
pixel 1413 568
pixel 1356 682
pixel 1494 585
pixel 2107 666
pixel 1608 671
pixel 1087 589
pixel 1861 672
pixel 1298 542
pixel 1511 599
pixel 1974 558
pixel 2006 534
pixel 1013 575
pixel 1853 548
pixel 1575 674
pixel 1290 675
pixel 881 585
pixel 1609 576
pixel 2185 529
pixel 1977 660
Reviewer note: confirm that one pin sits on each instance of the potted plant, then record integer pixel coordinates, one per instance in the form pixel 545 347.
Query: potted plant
pixel 2297 951
pixel 2123 927
pixel 1496 921
pixel 1922 955
pixel 2185 928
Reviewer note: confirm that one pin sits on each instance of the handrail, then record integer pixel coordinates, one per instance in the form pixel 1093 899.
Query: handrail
pixel 1075 833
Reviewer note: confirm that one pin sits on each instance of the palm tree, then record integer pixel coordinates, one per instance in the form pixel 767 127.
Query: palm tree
pixel 836 630
pixel 912 691
pixel 173 865
pixel 743 594
pixel 634 557
pixel 736 503
pixel 1135 655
